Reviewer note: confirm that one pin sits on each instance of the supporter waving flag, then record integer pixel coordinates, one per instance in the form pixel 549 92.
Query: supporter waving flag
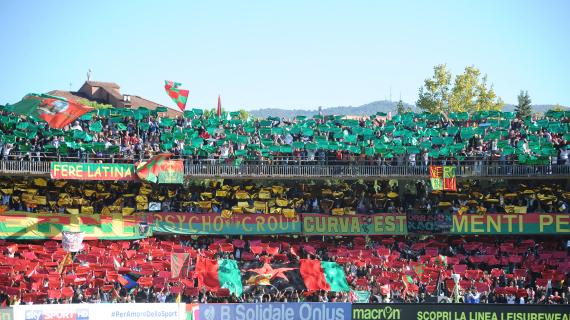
pixel 58 112
pixel 179 96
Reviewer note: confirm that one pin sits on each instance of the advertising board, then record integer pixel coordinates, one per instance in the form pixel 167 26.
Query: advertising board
pixel 276 311
pixel 459 312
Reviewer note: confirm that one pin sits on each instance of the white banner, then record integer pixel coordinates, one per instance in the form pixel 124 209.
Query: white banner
pixel 154 206
pixel 101 311
pixel 72 241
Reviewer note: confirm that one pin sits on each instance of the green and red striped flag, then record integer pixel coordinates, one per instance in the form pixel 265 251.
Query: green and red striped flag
pixel 323 275
pixel 216 274
pixel 179 96
pixel 58 112
pixel 179 264
pixel 149 170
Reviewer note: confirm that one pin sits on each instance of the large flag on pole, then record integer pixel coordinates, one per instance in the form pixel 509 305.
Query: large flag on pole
pixel 58 112
pixel 179 96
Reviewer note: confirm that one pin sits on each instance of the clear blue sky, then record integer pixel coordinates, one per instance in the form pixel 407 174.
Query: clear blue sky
pixel 293 54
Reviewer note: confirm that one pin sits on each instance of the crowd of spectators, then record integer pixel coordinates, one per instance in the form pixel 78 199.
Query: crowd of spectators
pixel 127 135
pixel 491 270
pixel 284 197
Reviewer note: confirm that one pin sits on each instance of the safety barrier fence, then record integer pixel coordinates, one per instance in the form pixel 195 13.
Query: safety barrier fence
pixel 288 311
pixel 209 169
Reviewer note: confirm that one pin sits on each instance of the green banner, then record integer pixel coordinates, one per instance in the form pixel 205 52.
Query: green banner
pixel 213 223
pixel 92 171
pixel 463 311
pixel 376 224
pixel 530 223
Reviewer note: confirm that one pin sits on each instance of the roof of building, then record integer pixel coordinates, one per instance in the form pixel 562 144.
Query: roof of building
pixel 68 94
pixel 136 101
pixel 103 84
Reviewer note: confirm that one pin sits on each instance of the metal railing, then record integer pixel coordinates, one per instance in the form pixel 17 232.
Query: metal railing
pixel 215 169
pixel 328 160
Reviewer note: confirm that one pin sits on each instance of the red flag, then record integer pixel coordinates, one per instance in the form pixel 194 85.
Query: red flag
pixel 312 273
pixel 12 248
pixel 385 289
pixel 219 106
pixel 207 272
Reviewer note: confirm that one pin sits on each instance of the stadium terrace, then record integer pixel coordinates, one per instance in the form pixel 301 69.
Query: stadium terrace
pixel 131 205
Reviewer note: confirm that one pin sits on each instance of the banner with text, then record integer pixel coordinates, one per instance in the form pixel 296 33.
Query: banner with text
pixel 375 224
pixel 92 171
pixel 425 222
pixel 101 311
pixel 396 311
pixel 213 223
pixel 530 223
pixel 276 310
pixel 24 226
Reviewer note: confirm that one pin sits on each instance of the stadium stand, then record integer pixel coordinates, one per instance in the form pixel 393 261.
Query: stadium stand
pixel 414 139
pixel 448 261
pixel 492 271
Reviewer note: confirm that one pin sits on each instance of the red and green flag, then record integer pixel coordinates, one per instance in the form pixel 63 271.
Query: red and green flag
pixel 409 285
pixel 216 274
pixel 58 112
pixel 171 171
pixel 323 275
pixel 149 170
pixel 179 264
pixel 443 178
pixel 179 96
pixel 419 268
pixel 440 260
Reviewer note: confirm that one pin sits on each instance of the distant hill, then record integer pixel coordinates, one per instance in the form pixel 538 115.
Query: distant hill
pixel 366 109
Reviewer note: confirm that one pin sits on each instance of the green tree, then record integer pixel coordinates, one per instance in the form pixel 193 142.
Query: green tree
pixel 524 107
pixel 434 94
pixel 93 104
pixel 470 92
pixel 401 108
pixel 243 114
pixel 558 107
